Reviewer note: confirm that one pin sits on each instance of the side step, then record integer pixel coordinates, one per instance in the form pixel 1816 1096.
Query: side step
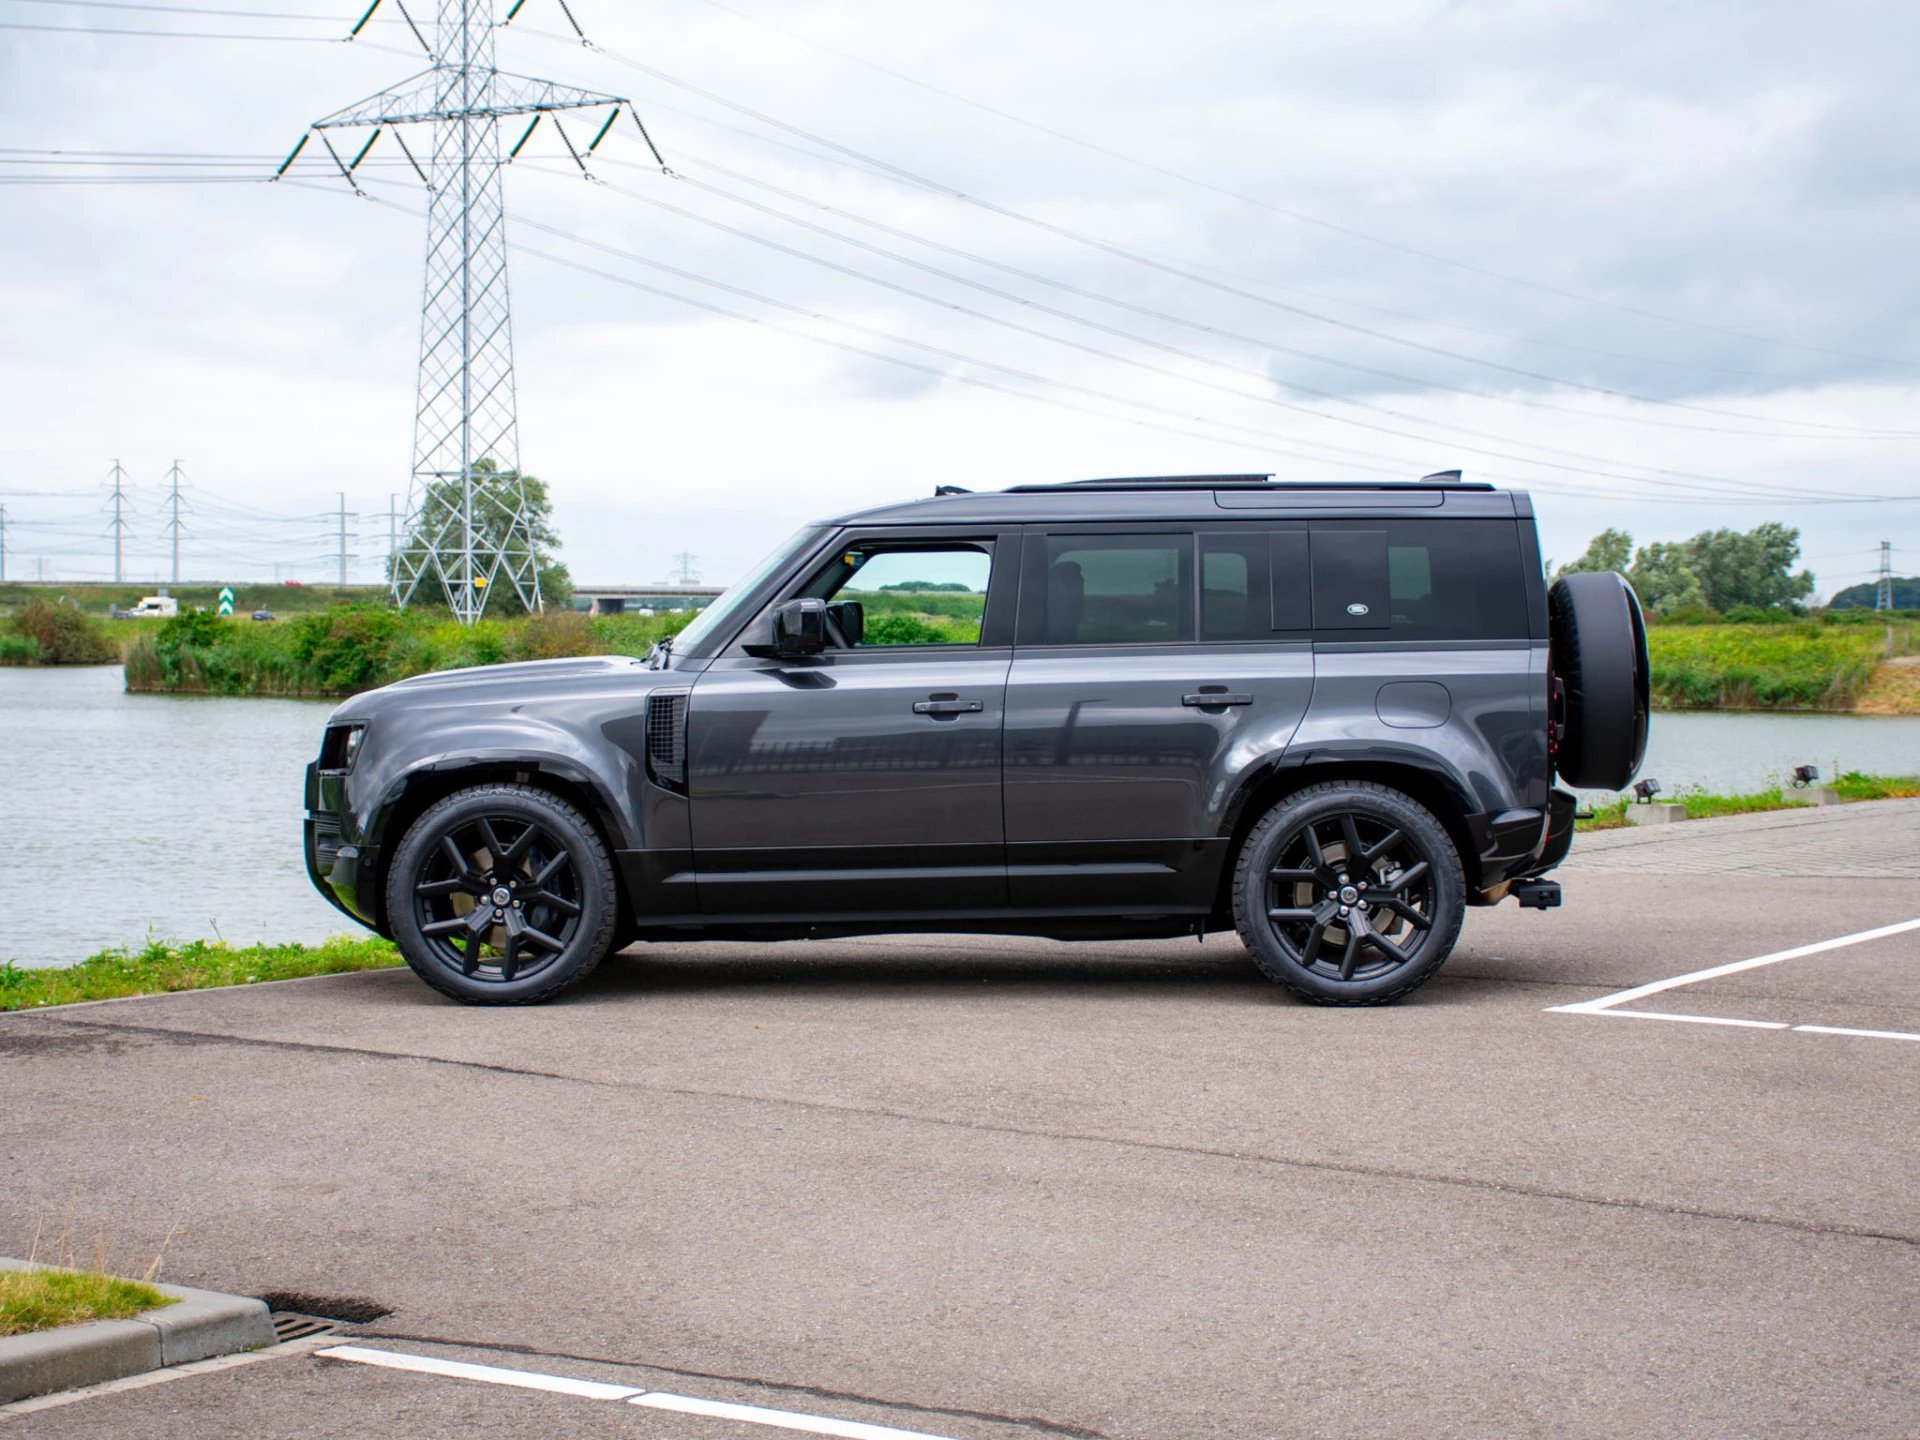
pixel 1537 894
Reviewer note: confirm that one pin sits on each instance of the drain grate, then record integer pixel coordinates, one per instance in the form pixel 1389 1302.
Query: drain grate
pixel 289 1326
pixel 342 1309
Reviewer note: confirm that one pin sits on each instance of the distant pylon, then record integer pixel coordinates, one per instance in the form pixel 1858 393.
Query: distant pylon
pixel 468 526
pixel 173 518
pixel 1883 595
pixel 119 523
pixel 683 571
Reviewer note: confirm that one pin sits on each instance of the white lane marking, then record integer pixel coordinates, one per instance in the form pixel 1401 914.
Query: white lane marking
pixel 1868 1034
pixel 1693 1019
pixel 486 1374
pixel 600 1390
pixel 1607 1002
pixel 782 1419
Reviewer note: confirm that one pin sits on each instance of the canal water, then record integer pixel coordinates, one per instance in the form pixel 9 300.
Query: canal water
pixel 125 816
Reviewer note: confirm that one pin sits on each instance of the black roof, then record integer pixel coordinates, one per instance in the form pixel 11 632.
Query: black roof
pixel 1218 498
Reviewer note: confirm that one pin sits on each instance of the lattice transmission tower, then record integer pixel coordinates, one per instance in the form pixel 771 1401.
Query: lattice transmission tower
pixel 467 525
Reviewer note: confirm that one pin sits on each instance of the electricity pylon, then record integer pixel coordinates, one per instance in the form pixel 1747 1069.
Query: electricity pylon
pixel 1883 592
pixel 467 520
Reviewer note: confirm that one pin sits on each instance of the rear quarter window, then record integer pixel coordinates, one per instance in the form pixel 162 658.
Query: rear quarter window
pixel 1420 580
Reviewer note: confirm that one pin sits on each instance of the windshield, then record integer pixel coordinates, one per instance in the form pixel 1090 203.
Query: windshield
pixel 721 616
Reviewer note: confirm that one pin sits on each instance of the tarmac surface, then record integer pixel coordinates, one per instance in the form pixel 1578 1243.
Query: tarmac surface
pixel 978 1188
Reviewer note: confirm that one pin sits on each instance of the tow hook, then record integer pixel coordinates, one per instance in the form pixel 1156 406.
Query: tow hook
pixel 1537 894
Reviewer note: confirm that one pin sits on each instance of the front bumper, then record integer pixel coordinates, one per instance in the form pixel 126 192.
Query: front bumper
pixel 338 865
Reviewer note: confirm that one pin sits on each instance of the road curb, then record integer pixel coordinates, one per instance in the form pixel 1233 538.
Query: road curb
pixel 201 1325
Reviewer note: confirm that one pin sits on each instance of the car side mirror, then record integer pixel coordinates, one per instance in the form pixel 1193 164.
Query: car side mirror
pixel 800 627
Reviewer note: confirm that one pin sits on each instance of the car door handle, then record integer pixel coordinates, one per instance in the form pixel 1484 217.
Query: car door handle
pixel 1208 698
pixel 947 706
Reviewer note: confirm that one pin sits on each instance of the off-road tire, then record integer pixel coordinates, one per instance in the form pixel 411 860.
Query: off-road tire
pixel 1330 812
pixel 587 935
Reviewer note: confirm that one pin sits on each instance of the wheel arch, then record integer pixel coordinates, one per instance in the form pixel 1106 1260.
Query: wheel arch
pixel 1431 785
pixel 414 792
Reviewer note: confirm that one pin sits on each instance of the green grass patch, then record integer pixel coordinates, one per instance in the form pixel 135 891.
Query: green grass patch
pixel 1855 786
pixel 41 1299
pixel 160 967
pixel 1802 666
pixel 1612 814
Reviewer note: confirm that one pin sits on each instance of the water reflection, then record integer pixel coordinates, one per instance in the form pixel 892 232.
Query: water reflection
pixel 134 813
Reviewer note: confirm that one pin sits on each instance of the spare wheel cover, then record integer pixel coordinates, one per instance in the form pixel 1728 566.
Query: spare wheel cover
pixel 1600 657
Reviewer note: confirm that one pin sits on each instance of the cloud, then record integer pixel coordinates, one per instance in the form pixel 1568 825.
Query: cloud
pixel 1750 174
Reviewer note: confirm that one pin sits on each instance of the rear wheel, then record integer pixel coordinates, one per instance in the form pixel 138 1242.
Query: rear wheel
pixel 1349 893
pixel 502 895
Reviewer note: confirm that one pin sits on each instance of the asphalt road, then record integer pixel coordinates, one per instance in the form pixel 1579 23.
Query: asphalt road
pixel 977 1188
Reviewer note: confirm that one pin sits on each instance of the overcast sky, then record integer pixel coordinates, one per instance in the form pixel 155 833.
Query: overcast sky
pixel 1706 206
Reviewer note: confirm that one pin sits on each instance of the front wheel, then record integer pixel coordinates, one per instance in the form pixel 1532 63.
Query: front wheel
pixel 502 895
pixel 1349 893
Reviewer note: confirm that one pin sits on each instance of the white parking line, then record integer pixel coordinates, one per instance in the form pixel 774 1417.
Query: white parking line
pixel 600 1390
pixel 1608 1005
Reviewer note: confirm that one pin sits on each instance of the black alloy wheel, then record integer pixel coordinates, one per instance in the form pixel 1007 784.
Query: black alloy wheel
pixel 502 895
pixel 1349 893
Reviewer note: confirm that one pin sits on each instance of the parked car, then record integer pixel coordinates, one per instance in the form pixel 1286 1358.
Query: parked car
pixel 264 615
pixel 1327 716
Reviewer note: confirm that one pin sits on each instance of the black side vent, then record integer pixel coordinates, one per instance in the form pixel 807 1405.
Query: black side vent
pixel 667 738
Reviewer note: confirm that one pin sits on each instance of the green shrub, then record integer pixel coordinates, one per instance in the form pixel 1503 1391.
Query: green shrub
pixel 347 649
pixel 18 650
pixel 920 630
pixel 62 633
pixel 551 635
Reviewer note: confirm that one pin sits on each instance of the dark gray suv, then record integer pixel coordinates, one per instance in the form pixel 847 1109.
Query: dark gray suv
pixel 1329 716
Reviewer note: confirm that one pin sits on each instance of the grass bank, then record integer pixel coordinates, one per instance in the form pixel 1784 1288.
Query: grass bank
pixel 1851 786
pixel 101 599
pixel 42 1299
pixel 1807 665
pixel 160 967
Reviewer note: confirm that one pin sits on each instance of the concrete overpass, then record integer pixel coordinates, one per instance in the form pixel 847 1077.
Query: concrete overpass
pixel 622 599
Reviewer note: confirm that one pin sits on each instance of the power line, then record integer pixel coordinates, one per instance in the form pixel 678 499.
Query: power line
pixel 1134 337
pixel 1394 465
pixel 188 10
pixel 1133 307
pixel 1698 482
pixel 1192 276
pixel 173 34
pixel 1297 215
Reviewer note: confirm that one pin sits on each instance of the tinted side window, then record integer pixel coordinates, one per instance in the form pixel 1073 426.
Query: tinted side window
pixel 1234 586
pixel 1110 590
pixel 1457 580
pixel 1420 580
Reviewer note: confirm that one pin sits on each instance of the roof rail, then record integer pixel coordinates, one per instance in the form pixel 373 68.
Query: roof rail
pixel 1440 480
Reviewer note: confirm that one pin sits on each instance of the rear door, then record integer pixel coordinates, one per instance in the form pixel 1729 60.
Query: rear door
pixel 1154 665
pixel 864 780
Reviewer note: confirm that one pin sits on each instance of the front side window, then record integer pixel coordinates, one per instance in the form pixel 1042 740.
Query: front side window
pixel 881 595
pixel 1116 590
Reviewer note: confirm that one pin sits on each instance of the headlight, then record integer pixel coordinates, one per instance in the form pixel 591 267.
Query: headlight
pixel 341 745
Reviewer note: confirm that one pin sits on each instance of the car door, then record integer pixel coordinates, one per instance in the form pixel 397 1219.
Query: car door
pixel 1155 667
pixel 864 780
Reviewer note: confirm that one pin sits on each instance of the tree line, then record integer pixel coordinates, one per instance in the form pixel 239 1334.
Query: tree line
pixel 1719 570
